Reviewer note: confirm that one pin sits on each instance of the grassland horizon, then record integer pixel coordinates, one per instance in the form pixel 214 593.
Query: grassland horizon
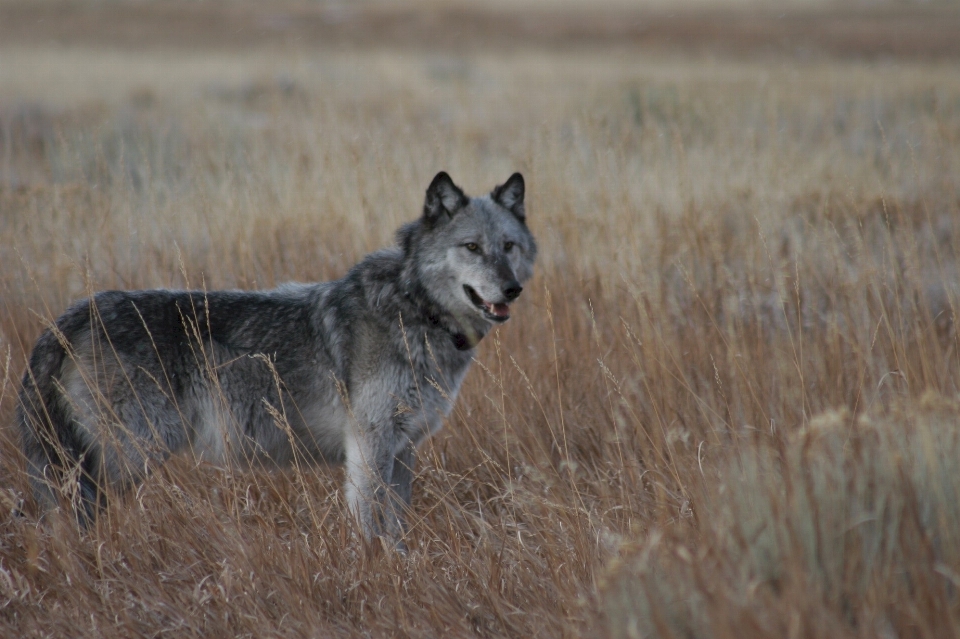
pixel 727 404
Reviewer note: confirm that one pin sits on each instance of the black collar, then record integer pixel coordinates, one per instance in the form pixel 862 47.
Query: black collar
pixel 418 297
pixel 461 341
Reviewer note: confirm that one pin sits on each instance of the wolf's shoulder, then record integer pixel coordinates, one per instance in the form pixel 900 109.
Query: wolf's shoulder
pixel 373 280
pixel 383 266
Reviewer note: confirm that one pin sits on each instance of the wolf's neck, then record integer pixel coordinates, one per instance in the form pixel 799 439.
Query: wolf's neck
pixel 464 334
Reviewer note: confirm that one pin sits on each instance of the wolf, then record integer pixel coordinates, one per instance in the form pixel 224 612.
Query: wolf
pixel 357 371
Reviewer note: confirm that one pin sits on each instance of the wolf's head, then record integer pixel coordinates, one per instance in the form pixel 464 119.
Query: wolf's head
pixel 472 255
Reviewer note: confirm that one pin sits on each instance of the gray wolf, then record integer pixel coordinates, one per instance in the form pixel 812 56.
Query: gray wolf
pixel 358 371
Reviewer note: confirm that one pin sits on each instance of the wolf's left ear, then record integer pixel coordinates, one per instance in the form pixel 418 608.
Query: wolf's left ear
pixel 509 195
pixel 443 198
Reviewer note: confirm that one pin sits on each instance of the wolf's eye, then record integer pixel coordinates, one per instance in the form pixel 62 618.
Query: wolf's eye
pixel 472 247
pixel 508 247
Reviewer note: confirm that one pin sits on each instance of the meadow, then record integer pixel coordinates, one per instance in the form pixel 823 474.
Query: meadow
pixel 726 405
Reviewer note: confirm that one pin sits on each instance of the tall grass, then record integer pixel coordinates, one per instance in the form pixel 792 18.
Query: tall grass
pixel 847 529
pixel 729 250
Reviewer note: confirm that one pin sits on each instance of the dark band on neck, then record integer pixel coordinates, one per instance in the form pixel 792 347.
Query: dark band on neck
pixel 461 341
pixel 440 319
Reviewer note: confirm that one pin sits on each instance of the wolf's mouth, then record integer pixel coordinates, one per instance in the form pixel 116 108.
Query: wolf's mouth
pixel 494 312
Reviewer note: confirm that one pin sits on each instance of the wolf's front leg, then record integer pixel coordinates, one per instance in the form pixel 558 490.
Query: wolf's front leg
pixel 401 488
pixel 378 483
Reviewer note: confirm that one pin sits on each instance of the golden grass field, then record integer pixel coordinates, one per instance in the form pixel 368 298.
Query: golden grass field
pixel 726 406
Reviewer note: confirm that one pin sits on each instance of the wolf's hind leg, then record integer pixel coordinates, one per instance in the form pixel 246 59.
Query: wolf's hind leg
pixel 58 471
pixel 134 436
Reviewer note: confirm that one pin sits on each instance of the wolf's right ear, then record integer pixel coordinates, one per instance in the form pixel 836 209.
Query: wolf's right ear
pixel 444 198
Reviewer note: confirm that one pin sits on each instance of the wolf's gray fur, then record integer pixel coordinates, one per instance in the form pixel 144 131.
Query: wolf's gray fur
pixel 356 371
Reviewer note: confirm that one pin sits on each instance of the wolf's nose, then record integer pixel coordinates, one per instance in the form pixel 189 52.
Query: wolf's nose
pixel 512 291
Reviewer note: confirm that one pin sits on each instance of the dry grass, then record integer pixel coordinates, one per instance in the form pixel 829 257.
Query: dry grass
pixel 729 250
pixel 847 529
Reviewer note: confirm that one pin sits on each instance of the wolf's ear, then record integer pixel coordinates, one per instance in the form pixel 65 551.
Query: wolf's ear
pixel 509 195
pixel 443 198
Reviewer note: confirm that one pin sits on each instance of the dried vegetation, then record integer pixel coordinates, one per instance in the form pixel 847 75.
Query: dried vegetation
pixel 726 406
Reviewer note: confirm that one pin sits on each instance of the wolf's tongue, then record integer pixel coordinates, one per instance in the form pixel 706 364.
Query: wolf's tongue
pixel 501 310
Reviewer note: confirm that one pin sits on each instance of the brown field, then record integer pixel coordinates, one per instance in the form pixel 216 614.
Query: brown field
pixel 726 406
